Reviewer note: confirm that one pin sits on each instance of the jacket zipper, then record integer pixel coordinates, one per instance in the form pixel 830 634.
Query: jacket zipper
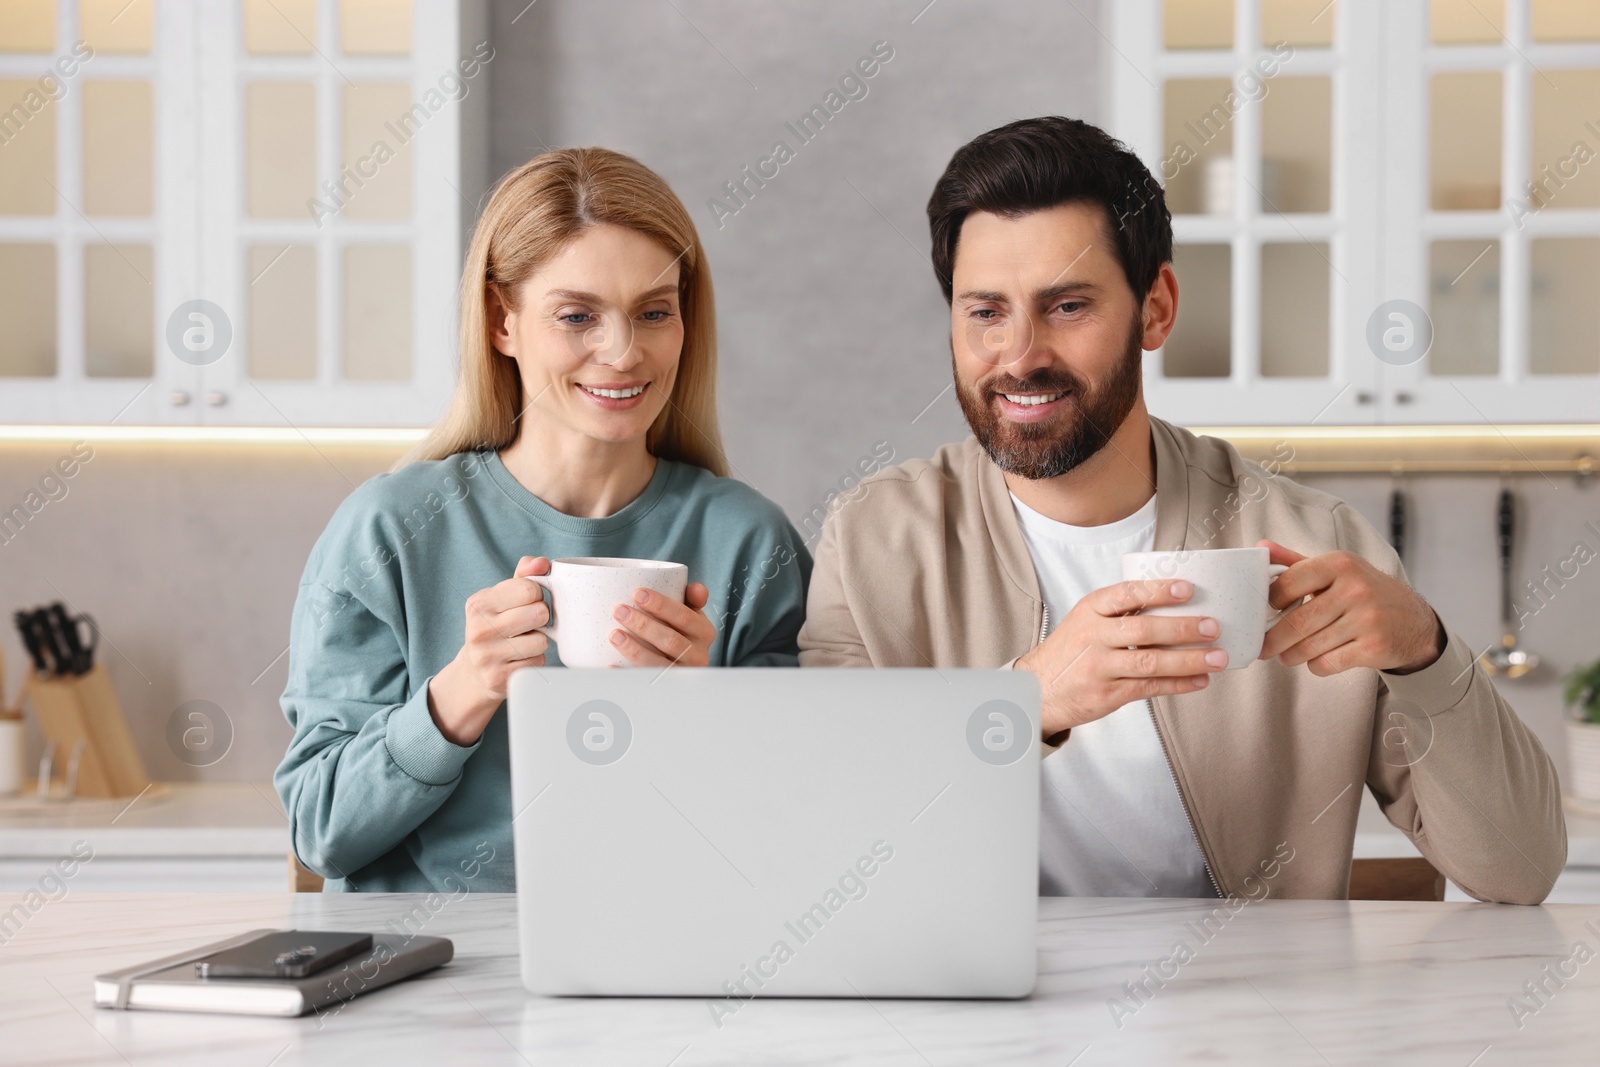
pixel 1182 800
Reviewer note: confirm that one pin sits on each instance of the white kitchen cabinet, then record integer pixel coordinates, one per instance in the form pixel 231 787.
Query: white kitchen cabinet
pixel 305 162
pixel 1322 160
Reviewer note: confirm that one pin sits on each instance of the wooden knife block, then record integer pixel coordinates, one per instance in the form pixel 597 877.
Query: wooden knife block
pixel 84 707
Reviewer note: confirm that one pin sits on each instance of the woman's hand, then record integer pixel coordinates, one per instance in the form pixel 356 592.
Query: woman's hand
pixel 657 632
pixel 500 639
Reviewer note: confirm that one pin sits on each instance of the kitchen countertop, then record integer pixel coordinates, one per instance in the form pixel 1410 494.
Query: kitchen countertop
pixel 247 819
pixel 1282 982
pixel 178 819
pixel 1376 837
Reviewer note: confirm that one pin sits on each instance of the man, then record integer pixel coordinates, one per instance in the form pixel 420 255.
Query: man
pixel 1163 775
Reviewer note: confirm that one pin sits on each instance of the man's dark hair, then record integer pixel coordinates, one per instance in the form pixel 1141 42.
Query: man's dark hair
pixel 1034 164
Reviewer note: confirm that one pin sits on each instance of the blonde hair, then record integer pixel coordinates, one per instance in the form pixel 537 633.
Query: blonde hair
pixel 535 211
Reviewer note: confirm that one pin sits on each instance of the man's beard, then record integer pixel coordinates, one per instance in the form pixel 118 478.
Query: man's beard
pixel 1048 449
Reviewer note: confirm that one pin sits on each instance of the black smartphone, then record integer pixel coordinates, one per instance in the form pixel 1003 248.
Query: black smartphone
pixel 283 954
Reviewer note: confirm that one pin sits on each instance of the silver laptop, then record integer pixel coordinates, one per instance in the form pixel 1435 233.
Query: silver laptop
pixel 744 832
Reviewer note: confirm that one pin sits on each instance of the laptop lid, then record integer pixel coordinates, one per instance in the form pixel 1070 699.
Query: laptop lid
pixel 738 832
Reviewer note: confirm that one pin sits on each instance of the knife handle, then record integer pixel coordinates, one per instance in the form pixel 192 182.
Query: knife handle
pixel 86 647
pixel 32 638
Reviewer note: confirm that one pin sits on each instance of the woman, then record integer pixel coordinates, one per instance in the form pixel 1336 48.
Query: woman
pixel 584 424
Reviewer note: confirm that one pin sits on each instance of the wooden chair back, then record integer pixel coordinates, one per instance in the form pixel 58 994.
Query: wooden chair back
pixel 1400 878
pixel 302 880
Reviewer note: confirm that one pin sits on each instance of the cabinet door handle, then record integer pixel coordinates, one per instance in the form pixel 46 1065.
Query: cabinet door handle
pixel 1403 398
pixel 1364 397
pixel 216 398
pixel 178 397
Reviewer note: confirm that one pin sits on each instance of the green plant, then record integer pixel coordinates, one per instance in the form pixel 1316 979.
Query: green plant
pixel 1583 692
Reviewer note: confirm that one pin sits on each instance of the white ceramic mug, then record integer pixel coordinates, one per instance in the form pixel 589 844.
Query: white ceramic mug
pixel 585 590
pixel 1230 585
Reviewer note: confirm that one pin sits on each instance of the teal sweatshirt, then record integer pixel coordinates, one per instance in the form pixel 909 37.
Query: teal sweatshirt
pixel 378 799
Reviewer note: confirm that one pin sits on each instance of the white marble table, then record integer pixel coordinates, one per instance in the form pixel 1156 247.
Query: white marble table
pixel 1295 982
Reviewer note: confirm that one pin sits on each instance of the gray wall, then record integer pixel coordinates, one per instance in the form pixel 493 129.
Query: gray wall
pixel 833 337
pixel 833 330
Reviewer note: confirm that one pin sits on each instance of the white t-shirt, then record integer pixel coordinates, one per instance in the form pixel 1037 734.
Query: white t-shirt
pixel 1111 821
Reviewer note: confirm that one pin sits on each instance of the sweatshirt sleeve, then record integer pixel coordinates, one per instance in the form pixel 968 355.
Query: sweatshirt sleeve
pixel 831 637
pixel 367 764
pixel 769 603
pixel 1455 769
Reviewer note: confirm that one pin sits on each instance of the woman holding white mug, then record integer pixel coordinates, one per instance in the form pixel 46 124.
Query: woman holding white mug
pixel 583 425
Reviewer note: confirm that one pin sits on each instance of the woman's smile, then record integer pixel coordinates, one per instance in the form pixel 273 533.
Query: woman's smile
pixel 615 396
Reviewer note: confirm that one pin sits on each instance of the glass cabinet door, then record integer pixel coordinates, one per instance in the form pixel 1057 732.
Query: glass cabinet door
pixel 1394 207
pixel 338 254
pixel 237 212
pixel 85 255
pixel 1501 179
pixel 1239 110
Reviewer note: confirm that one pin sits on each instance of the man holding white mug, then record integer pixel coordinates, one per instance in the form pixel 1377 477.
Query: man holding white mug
pixel 1169 770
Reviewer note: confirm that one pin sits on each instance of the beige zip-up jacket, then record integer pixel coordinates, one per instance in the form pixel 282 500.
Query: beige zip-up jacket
pixel 924 566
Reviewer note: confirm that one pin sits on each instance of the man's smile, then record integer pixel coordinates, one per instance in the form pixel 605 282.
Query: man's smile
pixel 1031 407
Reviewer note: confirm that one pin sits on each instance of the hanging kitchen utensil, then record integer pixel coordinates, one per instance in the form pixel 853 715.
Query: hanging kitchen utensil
pixel 1397 522
pixel 1508 660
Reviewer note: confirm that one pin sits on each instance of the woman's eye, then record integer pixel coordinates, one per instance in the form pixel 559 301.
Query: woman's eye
pixel 576 318
pixel 656 316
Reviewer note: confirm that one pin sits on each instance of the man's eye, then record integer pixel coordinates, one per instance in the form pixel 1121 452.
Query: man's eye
pixel 576 318
pixel 1070 306
pixel 983 314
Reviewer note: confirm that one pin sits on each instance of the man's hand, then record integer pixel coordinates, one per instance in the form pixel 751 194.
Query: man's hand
pixel 1357 616
pixel 1104 654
